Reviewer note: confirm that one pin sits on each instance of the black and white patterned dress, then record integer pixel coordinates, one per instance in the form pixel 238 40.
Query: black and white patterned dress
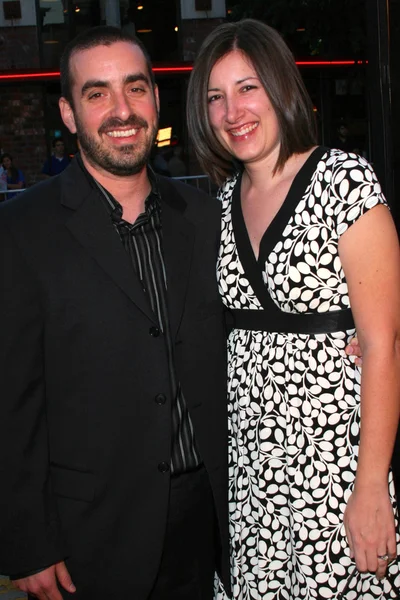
pixel 294 398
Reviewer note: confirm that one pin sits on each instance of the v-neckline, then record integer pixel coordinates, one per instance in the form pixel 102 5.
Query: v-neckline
pixel 253 267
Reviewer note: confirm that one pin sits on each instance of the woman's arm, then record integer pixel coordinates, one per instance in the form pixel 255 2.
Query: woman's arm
pixel 19 185
pixel 16 186
pixel 369 251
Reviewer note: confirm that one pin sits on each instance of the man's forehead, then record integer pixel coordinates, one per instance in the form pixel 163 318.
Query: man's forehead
pixel 106 63
pixel 121 50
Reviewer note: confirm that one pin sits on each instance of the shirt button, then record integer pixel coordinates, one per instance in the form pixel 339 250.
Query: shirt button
pixel 160 399
pixel 163 467
pixel 154 331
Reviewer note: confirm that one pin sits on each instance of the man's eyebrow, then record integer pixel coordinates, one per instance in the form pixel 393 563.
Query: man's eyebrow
pixel 99 83
pixel 93 83
pixel 133 77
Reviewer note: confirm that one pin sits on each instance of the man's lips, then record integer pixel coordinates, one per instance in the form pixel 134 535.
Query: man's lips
pixel 116 133
pixel 244 130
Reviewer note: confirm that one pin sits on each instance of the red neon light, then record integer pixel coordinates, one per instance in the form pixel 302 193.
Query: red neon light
pixel 328 63
pixel 22 76
pixel 172 70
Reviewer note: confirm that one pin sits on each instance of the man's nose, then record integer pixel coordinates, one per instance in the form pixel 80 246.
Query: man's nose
pixel 121 107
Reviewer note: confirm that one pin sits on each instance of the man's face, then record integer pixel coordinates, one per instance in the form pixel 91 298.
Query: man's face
pixel 115 108
pixel 59 149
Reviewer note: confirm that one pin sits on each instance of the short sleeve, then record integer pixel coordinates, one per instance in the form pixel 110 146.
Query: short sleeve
pixel 354 189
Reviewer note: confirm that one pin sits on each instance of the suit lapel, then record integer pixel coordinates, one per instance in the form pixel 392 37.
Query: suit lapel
pixel 92 227
pixel 178 243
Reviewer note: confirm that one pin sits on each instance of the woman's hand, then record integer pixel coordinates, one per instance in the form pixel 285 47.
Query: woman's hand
pixel 370 529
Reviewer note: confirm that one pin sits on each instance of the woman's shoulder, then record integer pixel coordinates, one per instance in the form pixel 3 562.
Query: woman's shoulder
pixel 337 165
pixel 335 157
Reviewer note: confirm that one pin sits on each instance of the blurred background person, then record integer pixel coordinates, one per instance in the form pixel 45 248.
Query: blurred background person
pixel 15 177
pixel 58 161
pixel 176 166
pixel 159 160
pixel 3 182
pixel 342 140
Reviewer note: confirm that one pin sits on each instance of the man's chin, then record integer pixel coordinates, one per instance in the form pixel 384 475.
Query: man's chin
pixel 119 165
pixel 125 168
pixel 125 171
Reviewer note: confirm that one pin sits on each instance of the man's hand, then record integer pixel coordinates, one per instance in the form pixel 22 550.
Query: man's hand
pixel 353 349
pixel 43 585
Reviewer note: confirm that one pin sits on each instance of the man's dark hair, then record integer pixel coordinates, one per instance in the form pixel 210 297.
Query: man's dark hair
pixel 278 74
pixel 91 38
pixel 55 140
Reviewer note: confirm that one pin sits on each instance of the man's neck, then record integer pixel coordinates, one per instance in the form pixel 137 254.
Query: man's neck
pixel 131 192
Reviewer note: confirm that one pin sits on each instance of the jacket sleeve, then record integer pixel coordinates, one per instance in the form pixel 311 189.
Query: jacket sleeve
pixel 29 531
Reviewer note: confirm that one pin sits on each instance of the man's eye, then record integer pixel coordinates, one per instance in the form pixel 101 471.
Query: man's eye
pixel 95 95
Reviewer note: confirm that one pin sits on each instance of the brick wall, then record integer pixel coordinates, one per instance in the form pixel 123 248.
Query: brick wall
pixel 18 48
pixel 22 131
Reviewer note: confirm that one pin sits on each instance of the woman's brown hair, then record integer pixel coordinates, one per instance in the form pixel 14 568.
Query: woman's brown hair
pixel 280 77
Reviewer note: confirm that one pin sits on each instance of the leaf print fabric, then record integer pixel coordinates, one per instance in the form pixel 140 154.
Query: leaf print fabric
pixel 294 399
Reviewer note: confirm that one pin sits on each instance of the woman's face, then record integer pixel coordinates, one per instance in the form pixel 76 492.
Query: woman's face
pixel 6 163
pixel 240 112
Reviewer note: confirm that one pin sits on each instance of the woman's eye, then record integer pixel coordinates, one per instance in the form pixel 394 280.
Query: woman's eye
pixel 213 98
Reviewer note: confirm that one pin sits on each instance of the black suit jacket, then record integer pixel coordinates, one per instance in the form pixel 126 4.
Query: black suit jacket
pixel 82 435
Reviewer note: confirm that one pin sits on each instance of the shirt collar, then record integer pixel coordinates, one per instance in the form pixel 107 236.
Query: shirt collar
pixel 113 207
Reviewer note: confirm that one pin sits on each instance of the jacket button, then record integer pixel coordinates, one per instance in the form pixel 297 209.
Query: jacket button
pixel 154 331
pixel 163 467
pixel 160 399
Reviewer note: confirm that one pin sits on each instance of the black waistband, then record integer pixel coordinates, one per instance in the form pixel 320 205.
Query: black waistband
pixel 281 322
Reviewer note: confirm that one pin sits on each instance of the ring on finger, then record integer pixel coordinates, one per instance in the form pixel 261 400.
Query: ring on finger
pixel 384 557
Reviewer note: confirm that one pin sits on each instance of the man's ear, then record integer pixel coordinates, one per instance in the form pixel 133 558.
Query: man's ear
pixel 67 114
pixel 157 99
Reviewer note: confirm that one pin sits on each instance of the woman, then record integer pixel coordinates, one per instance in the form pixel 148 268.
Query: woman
pixel 306 234
pixel 15 178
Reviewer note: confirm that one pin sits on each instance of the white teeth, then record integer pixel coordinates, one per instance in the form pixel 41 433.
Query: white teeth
pixel 122 133
pixel 244 130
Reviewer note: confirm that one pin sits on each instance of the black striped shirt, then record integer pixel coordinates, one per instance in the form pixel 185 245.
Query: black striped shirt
pixel 143 242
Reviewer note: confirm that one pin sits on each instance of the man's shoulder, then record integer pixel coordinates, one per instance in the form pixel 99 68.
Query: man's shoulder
pixel 30 206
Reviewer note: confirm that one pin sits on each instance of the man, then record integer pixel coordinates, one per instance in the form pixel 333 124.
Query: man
pixel 113 452
pixel 342 140
pixel 58 161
